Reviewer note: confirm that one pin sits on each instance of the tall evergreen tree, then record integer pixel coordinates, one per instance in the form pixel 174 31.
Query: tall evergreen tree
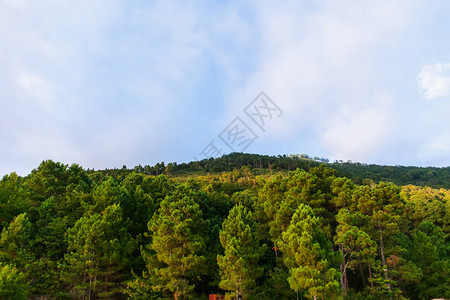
pixel 12 200
pixel 309 256
pixel 355 245
pixel 16 242
pixel 431 253
pixel 98 251
pixel 174 256
pixel 239 265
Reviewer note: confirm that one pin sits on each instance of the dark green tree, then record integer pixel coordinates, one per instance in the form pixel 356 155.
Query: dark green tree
pixel 98 253
pixel 355 245
pixel 431 253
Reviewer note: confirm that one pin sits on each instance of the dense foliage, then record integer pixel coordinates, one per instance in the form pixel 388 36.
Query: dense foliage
pixel 360 173
pixel 257 230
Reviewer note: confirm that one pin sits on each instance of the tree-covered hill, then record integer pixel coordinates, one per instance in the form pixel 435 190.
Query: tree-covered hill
pixel 260 226
pixel 358 172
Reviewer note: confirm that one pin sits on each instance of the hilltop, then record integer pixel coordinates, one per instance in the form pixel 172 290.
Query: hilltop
pixel 360 173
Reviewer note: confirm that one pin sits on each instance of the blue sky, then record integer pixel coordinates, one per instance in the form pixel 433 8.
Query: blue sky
pixel 112 83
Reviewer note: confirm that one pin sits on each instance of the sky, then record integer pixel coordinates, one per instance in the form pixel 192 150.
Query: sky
pixel 107 83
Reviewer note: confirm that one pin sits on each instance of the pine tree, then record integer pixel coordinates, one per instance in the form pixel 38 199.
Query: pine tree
pixel 431 253
pixel 355 245
pixel 239 265
pixel 177 245
pixel 97 254
pixel 12 200
pixel 16 241
pixel 309 255
pixel 13 285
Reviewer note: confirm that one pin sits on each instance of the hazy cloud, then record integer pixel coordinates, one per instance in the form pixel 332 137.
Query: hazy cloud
pixel 108 82
pixel 322 65
pixel 434 81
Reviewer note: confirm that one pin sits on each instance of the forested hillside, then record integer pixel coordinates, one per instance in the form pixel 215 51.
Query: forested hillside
pixel 260 226
pixel 360 173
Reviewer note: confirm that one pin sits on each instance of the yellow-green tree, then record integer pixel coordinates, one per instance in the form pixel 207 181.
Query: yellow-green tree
pixel 13 285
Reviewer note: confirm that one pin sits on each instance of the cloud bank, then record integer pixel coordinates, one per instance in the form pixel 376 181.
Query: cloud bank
pixel 106 83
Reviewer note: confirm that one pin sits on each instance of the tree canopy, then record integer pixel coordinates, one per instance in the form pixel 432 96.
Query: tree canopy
pixel 258 227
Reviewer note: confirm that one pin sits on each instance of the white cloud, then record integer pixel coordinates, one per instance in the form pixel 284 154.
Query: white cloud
pixel 321 65
pixel 434 81
pixel 357 135
pixel 116 78
pixel 132 81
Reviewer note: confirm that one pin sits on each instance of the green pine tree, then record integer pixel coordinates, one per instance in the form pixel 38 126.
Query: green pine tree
pixel 99 246
pixel 309 256
pixel 174 257
pixel 355 245
pixel 13 285
pixel 239 265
